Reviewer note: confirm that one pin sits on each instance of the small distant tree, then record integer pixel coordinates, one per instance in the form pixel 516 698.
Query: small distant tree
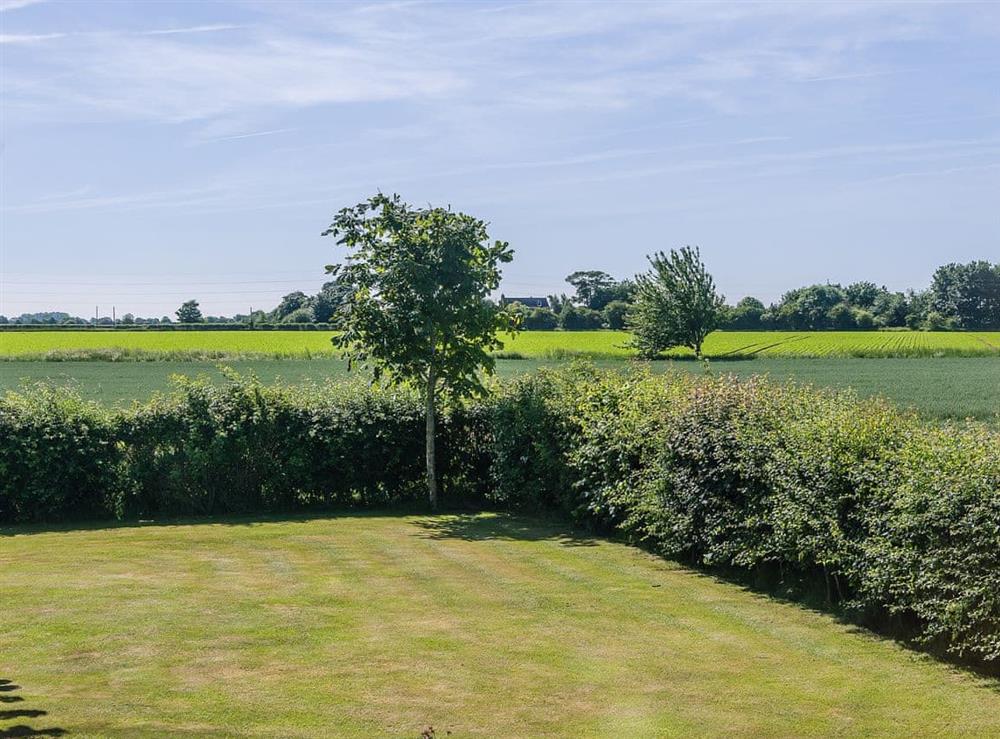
pixel 614 314
pixel 329 300
pixel 588 285
pixel 676 303
pixel 189 312
pixel 967 295
pixel 301 315
pixel 420 311
pixel 289 304
pixel 863 294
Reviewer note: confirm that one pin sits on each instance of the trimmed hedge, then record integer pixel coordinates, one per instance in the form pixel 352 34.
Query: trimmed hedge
pixel 896 522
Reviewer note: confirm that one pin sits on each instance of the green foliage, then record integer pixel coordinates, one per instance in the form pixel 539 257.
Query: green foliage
pixel 573 318
pixel 289 304
pixel 300 315
pixel 863 294
pixel 596 289
pixel 745 315
pixel 589 285
pixel 211 449
pixel 967 295
pixel 208 449
pixel 934 552
pixel 537 319
pixel 841 317
pixel 809 308
pixel 421 279
pixel 189 312
pixel 614 314
pixel 59 457
pixel 676 303
pixel 420 311
pixel 330 300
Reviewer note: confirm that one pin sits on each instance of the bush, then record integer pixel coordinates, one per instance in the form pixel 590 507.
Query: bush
pixel 937 322
pixel 863 319
pixel 213 449
pixel 539 319
pixel 934 552
pixel 614 314
pixel 573 318
pixel 59 458
pixel 300 315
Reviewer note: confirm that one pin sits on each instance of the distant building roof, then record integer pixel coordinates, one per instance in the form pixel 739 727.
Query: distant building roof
pixel 526 302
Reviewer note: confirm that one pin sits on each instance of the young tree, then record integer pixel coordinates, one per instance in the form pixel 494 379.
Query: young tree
pixel 189 312
pixel 676 303
pixel 419 311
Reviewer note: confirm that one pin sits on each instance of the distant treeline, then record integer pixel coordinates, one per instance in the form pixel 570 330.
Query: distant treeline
pixel 218 326
pixel 960 297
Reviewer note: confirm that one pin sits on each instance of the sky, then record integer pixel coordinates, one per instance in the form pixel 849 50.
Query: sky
pixel 154 152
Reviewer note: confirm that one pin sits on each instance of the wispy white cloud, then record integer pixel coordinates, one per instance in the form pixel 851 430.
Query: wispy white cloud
pixel 937 172
pixel 190 29
pixel 540 56
pixel 249 135
pixel 6 5
pixel 28 38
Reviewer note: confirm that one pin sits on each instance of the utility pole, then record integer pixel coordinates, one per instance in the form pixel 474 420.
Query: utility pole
pixel 250 317
pixel 114 319
pixel 96 311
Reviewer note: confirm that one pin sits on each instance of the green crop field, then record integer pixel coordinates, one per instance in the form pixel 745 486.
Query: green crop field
pixel 382 625
pixel 936 388
pixel 531 344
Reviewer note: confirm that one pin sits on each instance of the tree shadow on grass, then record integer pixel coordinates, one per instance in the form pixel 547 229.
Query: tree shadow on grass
pixel 511 527
pixel 879 629
pixel 7 687
pixel 501 527
pixel 234 519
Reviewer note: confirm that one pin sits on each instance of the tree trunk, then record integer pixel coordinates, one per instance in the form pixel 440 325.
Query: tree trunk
pixel 432 487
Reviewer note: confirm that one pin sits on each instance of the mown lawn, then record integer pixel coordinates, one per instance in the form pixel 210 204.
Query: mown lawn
pixel 380 625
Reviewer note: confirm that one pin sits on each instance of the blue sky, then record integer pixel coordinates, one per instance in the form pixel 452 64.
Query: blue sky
pixel 153 152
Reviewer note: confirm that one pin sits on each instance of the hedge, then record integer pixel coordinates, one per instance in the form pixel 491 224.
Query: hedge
pixel 894 521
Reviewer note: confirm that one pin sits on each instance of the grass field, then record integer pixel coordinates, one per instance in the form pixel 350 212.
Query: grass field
pixel 476 625
pixel 532 344
pixel 936 388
